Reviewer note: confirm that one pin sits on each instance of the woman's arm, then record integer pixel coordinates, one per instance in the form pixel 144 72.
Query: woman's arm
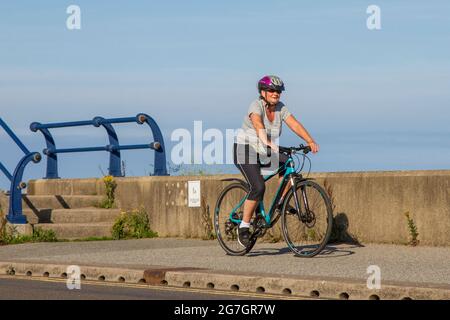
pixel 261 131
pixel 299 130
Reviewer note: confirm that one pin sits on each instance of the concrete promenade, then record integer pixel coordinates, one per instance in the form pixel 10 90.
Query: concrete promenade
pixel 340 272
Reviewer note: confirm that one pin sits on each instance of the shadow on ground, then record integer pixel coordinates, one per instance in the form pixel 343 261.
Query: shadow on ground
pixel 330 251
pixel 340 244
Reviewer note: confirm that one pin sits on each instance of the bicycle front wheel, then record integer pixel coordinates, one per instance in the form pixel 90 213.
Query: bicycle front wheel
pixel 308 230
pixel 230 201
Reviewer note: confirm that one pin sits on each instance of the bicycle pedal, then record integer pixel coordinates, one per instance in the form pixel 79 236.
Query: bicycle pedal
pixel 260 232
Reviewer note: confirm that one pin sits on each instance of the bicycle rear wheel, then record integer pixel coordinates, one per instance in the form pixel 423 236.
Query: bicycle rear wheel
pixel 230 199
pixel 307 232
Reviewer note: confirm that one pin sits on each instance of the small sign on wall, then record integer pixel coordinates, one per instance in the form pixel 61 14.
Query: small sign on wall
pixel 194 193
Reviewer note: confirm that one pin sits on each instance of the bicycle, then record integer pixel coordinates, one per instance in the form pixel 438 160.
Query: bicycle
pixel 306 225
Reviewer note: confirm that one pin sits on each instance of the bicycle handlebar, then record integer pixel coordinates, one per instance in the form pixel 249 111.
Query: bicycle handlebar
pixel 291 150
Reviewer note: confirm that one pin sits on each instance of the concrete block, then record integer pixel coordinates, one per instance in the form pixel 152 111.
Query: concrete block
pixel 78 230
pixel 60 271
pixel 83 215
pixel 60 201
pixel 19 229
pixel 314 287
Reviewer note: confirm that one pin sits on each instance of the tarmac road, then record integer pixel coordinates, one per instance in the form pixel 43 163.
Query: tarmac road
pixel 52 289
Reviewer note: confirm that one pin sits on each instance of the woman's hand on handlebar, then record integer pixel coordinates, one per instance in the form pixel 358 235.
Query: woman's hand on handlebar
pixel 314 146
pixel 274 147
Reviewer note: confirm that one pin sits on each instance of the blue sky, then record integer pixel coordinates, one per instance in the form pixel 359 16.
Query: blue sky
pixel 374 100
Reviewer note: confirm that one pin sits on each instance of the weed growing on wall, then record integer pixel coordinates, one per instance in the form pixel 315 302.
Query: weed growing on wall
pixel 412 228
pixel 207 223
pixel 110 188
pixel 132 225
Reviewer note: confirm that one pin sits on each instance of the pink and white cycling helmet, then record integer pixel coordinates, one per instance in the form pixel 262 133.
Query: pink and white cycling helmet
pixel 270 83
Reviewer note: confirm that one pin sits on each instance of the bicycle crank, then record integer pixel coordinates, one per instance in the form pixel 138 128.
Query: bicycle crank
pixel 259 227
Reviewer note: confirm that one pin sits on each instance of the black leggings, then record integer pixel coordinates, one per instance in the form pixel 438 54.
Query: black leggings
pixel 248 162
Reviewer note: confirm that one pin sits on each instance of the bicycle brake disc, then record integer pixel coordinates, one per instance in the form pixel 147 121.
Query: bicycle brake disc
pixel 310 219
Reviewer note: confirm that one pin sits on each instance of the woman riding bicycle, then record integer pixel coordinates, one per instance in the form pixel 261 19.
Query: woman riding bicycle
pixel 255 144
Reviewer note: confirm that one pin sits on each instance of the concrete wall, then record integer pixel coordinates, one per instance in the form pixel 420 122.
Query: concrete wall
pixel 3 204
pixel 369 206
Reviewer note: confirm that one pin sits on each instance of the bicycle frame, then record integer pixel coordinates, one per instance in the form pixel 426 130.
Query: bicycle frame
pixel 289 166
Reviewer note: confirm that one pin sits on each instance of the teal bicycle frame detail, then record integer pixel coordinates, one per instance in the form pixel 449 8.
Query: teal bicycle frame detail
pixel 267 217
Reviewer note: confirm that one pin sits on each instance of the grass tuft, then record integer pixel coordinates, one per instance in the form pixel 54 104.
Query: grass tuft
pixel 132 225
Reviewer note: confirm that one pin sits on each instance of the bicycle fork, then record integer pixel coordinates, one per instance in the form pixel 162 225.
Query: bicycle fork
pixel 297 202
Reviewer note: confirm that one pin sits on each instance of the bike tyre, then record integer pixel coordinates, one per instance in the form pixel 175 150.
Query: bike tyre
pixel 285 218
pixel 221 215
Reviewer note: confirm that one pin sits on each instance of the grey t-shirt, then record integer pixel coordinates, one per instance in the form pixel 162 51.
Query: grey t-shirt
pixel 273 129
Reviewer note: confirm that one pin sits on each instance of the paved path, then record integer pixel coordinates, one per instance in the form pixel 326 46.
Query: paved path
pixel 397 263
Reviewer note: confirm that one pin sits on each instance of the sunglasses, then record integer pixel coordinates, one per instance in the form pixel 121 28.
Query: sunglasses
pixel 272 91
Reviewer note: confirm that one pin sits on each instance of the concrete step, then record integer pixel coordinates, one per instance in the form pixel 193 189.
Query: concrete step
pixel 77 230
pixel 90 186
pixel 70 216
pixel 60 201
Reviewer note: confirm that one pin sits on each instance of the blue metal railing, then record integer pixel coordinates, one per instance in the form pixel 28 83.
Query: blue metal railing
pixel 15 214
pixel 113 147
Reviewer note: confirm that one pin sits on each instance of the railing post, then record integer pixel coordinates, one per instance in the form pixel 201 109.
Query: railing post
pixel 52 158
pixel 160 153
pixel 114 153
pixel 15 214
